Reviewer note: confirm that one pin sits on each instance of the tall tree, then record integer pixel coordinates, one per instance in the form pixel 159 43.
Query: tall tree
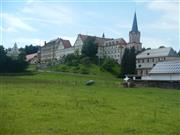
pixel 89 48
pixel 124 62
pixel 2 52
pixel 128 64
pixel 7 64
pixel 30 49
pixel 3 59
pixel 179 53
pixel 132 61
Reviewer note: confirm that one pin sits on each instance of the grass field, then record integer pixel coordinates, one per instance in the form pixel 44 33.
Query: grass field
pixel 60 104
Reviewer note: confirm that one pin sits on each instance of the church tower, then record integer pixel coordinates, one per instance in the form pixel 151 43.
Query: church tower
pixel 134 36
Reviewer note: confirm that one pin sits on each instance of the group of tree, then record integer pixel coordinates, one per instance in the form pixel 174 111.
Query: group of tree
pixel 30 49
pixel 88 57
pixel 11 65
pixel 179 53
pixel 128 64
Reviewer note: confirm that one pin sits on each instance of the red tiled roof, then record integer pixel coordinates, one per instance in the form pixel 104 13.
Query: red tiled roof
pixel 98 40
pixel 66 43
pixel 30 56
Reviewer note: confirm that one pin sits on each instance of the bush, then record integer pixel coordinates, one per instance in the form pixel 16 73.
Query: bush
pixel 84 70
pixel 75 69
pixel 85 61
pixel 10 65
pixel 63 68
pixel 111 66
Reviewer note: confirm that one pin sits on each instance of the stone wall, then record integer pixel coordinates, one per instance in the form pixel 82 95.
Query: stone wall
pixel 159 84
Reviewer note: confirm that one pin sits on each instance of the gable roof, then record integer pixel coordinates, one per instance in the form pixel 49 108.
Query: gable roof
pixel 66 43
pixel 160 52
pixel 120 41
pixel 30 56
pixel 166 67
pixel 98 40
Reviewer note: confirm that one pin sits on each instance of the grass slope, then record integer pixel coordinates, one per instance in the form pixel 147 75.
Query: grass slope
pixel 60 104
pixel 91 69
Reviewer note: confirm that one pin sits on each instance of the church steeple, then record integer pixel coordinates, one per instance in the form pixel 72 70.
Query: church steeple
pixel 103 36
pixel 135 26
pixel 134 35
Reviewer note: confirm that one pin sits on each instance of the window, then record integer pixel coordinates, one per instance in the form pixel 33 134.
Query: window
pixel 139 65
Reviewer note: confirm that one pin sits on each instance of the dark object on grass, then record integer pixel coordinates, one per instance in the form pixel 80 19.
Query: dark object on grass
pixel 129 84
pixel 90 82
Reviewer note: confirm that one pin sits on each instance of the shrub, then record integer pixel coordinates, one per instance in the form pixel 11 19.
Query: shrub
pixel 85 61
pixel 84 70
pixel 75 69
pixel 111 66
pixel 63 68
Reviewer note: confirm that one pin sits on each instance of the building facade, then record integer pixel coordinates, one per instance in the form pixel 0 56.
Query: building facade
pixel 146 60
pixel 113 49
pixel 81 39
pixel 166 71
pixel 55 50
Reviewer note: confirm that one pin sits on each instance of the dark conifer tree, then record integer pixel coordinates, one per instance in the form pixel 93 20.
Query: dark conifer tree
pixel 128 64
pixel 89 48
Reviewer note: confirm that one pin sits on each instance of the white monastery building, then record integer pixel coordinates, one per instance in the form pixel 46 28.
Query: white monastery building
pixel 107 47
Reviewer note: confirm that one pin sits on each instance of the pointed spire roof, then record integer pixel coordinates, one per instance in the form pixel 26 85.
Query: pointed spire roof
pixel 103 36
pixel 135 26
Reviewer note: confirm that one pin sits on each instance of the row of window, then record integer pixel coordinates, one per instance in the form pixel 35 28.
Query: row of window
pixel 150 60
pixel 143 72
pixel 110 51
pixel 113 56
pixel 140 65
pixel 112 43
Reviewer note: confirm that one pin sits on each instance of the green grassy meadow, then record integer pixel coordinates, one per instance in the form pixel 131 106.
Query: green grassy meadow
pixel 61 104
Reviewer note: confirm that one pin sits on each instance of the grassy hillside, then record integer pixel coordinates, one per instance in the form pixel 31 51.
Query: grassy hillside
pixel 60 104
pixel 91 69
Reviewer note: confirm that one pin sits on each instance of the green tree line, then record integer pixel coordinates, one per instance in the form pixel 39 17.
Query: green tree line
pixel 10 65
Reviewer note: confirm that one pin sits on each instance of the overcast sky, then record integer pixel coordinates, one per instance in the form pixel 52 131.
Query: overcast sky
pixel 33 21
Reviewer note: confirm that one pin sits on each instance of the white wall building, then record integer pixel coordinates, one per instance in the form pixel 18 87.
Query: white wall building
pixel 146 60
pixel 113 49
pixel 165 71
pixel 55 50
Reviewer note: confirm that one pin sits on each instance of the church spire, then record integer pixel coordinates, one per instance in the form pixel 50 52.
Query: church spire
pixel 103 36
pixel 134 35
pixel 134 26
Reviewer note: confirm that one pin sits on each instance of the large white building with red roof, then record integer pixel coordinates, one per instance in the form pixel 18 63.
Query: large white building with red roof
pixel 55 50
